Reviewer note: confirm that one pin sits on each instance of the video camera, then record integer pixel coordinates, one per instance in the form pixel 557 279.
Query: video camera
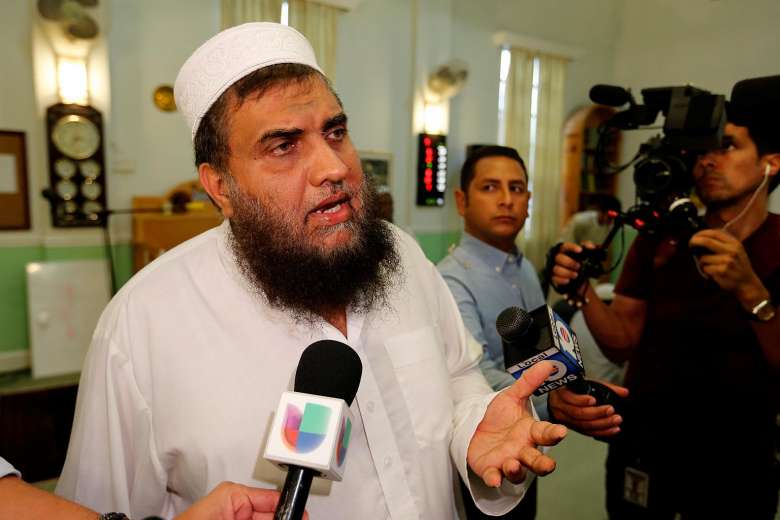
pixel 663 165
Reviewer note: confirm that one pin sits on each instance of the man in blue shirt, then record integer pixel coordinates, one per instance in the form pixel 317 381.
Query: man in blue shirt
pixel 485 272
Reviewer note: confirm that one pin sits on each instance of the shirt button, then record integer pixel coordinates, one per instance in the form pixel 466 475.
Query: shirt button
pixel 370 406
pixel 498 269
pixel 514 286
pixel 388 462
pixel 510 258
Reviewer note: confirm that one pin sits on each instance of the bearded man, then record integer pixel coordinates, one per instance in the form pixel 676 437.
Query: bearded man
pixel 190 358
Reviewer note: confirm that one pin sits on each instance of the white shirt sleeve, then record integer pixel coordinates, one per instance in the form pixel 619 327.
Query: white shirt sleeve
pixel 112 462
pixel 6 469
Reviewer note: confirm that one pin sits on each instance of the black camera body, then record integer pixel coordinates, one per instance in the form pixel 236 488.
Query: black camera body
pixel 694 120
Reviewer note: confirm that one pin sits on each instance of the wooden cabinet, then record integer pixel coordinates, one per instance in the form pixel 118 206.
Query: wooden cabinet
pixel 35 421
pixel 580 176
pixel 154 233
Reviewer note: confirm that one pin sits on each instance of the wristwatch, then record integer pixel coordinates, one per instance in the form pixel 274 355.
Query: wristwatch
pixel 764 311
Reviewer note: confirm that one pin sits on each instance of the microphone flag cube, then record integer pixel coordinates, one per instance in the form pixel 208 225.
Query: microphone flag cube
pixel 554 341
pixel 311 431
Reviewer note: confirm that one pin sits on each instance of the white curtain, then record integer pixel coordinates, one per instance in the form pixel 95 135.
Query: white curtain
pixel 319 24
pixel 236 12
pixel 316 21
pixel 544 134
pixel 519 86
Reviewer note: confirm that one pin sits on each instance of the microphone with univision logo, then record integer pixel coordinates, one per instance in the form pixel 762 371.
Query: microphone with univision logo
pixel 311 429
pixel 541 335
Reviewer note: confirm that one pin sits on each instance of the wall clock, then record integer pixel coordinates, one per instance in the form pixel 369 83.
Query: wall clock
pixel 76 165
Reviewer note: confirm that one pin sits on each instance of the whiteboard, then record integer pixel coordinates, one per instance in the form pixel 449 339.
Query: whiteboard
pixel 64 301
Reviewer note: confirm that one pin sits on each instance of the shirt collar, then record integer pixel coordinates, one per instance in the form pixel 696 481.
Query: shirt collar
pixel 492 256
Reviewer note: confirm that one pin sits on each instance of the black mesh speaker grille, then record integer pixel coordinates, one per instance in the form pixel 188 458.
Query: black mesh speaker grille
pixel 512 323
pixel 329 368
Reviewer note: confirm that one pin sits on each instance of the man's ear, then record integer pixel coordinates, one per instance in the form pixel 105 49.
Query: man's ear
pixel 460 201
pixel 773 161
pixel 215 186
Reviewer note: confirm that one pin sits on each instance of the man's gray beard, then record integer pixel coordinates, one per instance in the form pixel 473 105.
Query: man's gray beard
pixel 293 273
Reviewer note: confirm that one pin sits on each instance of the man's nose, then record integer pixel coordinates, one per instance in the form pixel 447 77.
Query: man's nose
pixel 706 160
pixel 326 165
pixel 505 198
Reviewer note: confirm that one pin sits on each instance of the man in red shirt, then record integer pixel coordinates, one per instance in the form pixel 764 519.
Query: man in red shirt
pixel 702 338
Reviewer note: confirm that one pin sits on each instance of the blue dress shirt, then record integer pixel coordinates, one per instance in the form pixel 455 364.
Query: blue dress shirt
pixel 485 281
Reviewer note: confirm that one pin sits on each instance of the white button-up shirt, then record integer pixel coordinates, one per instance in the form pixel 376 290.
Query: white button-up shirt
pixel 187 366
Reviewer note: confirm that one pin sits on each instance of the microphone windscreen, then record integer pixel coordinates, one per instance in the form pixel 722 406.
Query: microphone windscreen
pixel 512 323
pixel 609 95
pixel 329 368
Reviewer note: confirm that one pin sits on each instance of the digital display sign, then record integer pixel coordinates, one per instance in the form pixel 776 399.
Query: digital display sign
pixel 431 169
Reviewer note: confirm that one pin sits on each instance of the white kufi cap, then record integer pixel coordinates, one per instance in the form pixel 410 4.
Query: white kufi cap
pixel 231 55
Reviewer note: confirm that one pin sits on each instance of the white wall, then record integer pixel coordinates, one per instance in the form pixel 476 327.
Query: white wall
pixel 711 44
pixel 18 109
pixel 386 48
pixel 591 27
pixel 149 151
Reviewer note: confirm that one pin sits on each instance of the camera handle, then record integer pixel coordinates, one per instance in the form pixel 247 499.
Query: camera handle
pixel 591 263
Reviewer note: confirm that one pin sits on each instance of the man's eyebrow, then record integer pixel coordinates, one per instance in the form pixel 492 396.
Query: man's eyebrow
pixel 280 133
pixel 337 120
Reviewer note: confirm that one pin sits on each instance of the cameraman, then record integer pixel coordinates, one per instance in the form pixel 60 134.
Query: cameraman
pixel 702 338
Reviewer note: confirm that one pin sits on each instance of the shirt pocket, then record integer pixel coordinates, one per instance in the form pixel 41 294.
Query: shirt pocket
pixel 421 369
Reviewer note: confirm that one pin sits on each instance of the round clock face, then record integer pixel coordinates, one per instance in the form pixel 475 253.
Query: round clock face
pixel 92 208
pixel 90 169
pixel 65 168
pixel 91 190
pixel 70 206
pixel 76 136
pixel 66 190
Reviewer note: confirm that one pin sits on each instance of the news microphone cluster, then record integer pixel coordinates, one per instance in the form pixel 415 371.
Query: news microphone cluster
pixel 541 335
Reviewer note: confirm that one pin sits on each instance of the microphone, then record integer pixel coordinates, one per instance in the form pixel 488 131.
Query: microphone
pixel 541 335
pixel 311 429
pixel 609 95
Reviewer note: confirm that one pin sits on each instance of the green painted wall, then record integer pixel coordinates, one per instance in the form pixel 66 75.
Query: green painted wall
pixel 13 292
pixel 436 245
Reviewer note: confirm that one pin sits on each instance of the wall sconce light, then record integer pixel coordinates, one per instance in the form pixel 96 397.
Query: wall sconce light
pixel 435 118
pixel 72 79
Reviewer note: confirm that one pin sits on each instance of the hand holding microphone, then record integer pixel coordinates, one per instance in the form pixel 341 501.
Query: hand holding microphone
pixel 312 426
pixel 529 338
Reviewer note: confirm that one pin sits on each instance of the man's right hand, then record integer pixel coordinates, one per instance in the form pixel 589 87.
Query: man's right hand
pixel 580 413
pixel 565 268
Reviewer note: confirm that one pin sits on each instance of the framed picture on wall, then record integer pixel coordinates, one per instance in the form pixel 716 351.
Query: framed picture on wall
pixel 14 206
pixel 378 165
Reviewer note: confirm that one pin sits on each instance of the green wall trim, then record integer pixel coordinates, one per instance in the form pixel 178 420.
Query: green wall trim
pixel 436 245
pixel 13 303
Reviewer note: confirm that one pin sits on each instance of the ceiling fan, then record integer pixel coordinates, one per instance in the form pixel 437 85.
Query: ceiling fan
pixel 448 79
pixel 72 15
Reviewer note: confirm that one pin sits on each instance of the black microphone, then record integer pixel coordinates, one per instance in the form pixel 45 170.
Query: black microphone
pixel 609 95
pixel 528 338
pixel 327 369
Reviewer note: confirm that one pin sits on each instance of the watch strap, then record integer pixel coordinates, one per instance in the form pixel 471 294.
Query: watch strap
pixel 763 310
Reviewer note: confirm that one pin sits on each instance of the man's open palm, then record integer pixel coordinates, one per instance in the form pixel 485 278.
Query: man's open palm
pixel 505 442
